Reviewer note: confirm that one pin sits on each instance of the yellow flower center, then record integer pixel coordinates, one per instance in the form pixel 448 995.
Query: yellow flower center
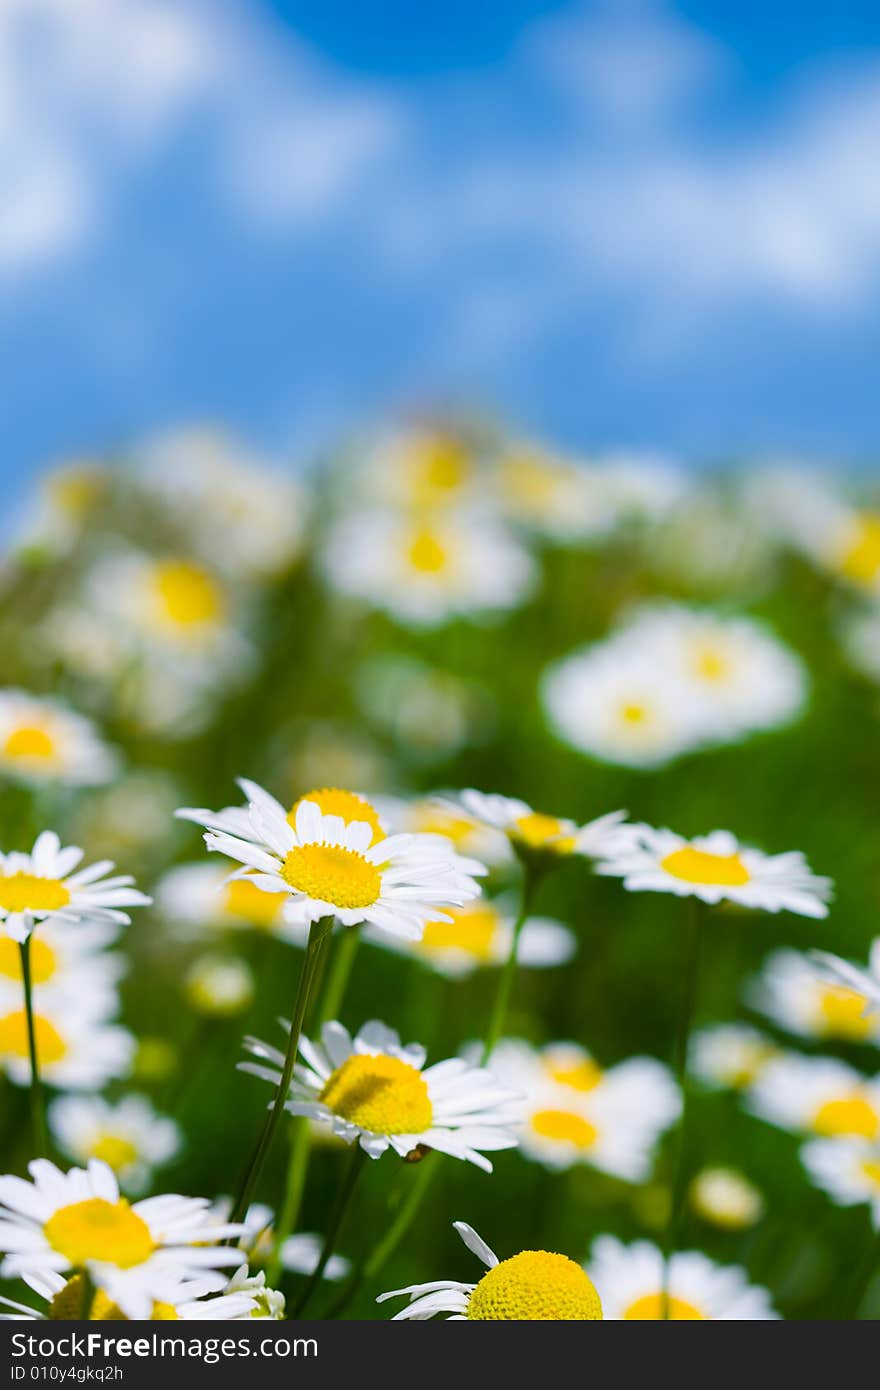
pixel 711 665
pixel 538 831
pixel 860 560
pixel 871 1170
pixel 244 899
pixel 657 1306
pixel 583 1075
pixel 529 480
pixel 427 553
pixel 30 743
pixel 74 490
pixel 439 465
pixel 633 713
pixel 699 866
pixel 850 1115
pixel 473 929
pixel 565 1127
pixel 433 821
pixel 43 960
pixel 842 1012
pixel 535 1286
pixel 51 1047
pixel 332 874
pixel 380 1094
pixel 188 596
pixel 96 1229
pixel 114 1150
pixel 21 892
pixel 335 801
pixel 68 1305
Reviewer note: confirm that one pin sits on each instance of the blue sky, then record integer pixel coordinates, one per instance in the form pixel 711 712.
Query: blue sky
pixel 616 223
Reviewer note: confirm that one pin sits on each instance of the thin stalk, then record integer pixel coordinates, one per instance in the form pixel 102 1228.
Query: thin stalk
pixel 38 1117
pixel 294 1187
pixel 337 976
pixel 318 933
pixel 498 1017
pixel 357 1161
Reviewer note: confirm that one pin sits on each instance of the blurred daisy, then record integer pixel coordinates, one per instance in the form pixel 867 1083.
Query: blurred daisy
pixel 716 868
pixel 852 549
pixel 77 1221
pixel 797 997
pixel 535 832
pixel 200 899
pixel 577 1113
pixel 418 468
pixel 643 486
pixel 553 496
pixel 848 1170
pixel 77 1050
pixel 864 982
pixel 64 964
pixel 195 1300
pixel 730 1056
pixel 219 986
pixel 69 496
pixel 533 1286
pixel 330 867
pixel 43 884
pixel 440 815
pixel 427 570
pixel 725 1198
pixel 128 1135
pixel 480 934
pixel 817 1095
pixel 300 1255
pixel 373 1091
pixel 634 1286
pixel 42 741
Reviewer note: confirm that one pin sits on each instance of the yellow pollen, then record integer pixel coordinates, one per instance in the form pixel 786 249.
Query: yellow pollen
pixel 659 1306
pixel 51 1047
pixel 244 899
pixel 583 1075
pixel 332 874
pixel 21 892
pixel 189 597
pixel 538 831
pixel 381 1094
pixel 860 561
pixel 115 1151
pixel 535 1286
pixel 710 664
pixel 335 801
pixel 30 743
pixel 473 929
pixel 699 866
pixel 851 1115
pixel 427 553
pixel 871 1170
pixel 43 960
pixel 99 1230
pixel 565 1127
pixel 842 1012
pixel 633 713
pixel 439 465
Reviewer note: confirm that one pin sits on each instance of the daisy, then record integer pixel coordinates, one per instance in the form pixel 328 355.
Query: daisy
pixel 196 1300
pixel 201 900
pixel 716 868
pixel 43 742
pixel 725 1198
pixel 852 549
pixel 373 1091
pixel 534 832
pixel 69 495
pixel 818 1096
pixel 64 965
pixel 424 467
pixel 644 486
pixel 299 1253
pixel 480 935
pixel 730 1056
pixel 576 1113
pixel 77 1222
pixel 443 816
pixel 842 972
pixel 556 497
pixel 848 1170
pixel 128 1135
pixel 77 1050
pixel 427 570
pixel 797 997
pixel 330 867
pixel 533 1286
pixel 219 986
pixel 43 884
pixel 635 1286
pixel 167 603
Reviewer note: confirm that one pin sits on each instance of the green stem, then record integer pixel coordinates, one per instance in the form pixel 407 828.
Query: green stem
pixel 498 1016
pixel 294 1186
pixel 682 1046
pixel 338 975
pixel 38 1118
pixel 357 1162
pixel 318 934
pixel 865 1274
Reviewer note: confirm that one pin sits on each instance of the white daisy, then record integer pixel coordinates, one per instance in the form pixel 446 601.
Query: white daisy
pixel 819 1096
pixel 43 884
pixel 426 570
pixel 201 900
pixel 441 815
pixel 560 498
pixel 725 1198
pixel 576 1112
pixel 69 496
pixel 533 1286
pixel 715 868
pixel 843 972
pixel 479 935
pixel 634 1285
pixel 77 1050
pixel 65 966
pixel 42 741
pixel 535 832
pixel 77 1221
pixel 219 986
pixel 195 1300
pixel 797 996
pixel 730 1056
pixel 129 1135
pixel 422 467
pixel 848 1170
pixel 372 1090
pixel 643 485
pixel 330 867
